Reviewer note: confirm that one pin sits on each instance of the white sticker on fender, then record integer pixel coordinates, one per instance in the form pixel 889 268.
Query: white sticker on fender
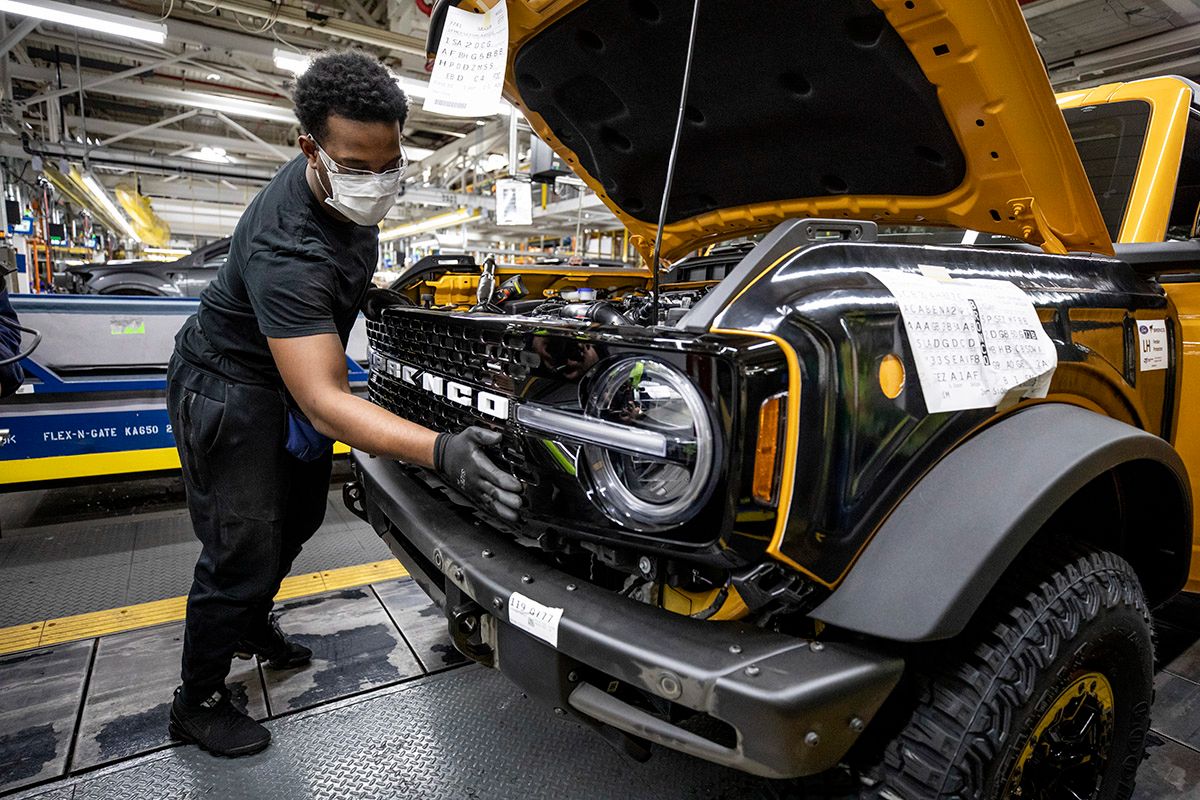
pixel 975 342
pixel 533 617
pixel 1152 344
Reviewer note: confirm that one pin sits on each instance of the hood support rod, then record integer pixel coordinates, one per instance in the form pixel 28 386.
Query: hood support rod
pixel 662 210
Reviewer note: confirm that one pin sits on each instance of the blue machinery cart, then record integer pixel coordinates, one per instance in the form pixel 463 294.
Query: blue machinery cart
pixel 92 404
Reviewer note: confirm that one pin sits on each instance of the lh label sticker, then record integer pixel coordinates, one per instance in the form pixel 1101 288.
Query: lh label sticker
pixel 1152 344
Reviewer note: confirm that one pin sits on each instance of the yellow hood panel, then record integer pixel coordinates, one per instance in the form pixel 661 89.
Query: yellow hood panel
pixel 1022 175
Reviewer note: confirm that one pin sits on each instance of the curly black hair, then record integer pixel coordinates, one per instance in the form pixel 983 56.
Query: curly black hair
pixel 351 85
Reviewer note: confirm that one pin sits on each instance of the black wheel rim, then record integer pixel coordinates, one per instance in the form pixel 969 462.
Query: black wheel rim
pixel 1066 754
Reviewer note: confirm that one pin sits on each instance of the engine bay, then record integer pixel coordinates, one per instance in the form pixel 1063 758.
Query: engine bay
pixel 607 293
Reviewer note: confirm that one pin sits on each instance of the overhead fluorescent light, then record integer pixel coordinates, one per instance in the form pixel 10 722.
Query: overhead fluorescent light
pixel 430 224
pixel 213 155
pixel 415 154
pixel 100 195
pixel 412 87
pixel 291 61
pixel 229 105
pixel 81 17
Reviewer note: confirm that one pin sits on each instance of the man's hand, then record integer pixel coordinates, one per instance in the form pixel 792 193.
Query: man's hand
pixel 460 459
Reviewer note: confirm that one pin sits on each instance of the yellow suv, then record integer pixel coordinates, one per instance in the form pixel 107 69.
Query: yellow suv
pixel 894 487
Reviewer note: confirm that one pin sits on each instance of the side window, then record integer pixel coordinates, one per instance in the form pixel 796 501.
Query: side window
pixel 1185 209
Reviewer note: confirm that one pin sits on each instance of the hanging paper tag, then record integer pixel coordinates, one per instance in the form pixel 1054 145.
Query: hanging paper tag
pixel 514 202
pixel 468 75
pixel 975 342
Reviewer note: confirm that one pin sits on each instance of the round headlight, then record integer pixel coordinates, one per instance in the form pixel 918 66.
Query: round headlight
pixel 659 477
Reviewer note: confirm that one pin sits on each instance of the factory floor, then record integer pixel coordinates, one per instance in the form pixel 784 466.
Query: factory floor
pixel 91 586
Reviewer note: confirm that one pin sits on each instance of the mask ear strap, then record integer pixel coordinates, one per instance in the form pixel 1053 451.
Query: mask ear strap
pixel 320 152
pixel 330 189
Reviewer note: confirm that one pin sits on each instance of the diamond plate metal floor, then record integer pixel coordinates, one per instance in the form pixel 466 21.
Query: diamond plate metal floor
pixel 463 732
pixel 63 553
pixel 466 733
pixel 387 709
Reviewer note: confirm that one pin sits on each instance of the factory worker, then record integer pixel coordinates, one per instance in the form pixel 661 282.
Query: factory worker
pixel 258 389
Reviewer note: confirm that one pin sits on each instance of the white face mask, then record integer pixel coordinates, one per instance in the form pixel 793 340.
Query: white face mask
pixel 360 196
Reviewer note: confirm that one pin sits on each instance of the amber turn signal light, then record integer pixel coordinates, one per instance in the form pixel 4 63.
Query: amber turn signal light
pixel 891 376
pixel 766 455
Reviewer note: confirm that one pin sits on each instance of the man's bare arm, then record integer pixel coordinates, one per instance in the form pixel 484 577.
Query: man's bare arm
pixel 314 371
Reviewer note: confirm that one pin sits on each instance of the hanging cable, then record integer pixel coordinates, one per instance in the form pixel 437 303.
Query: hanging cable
pixel 37 339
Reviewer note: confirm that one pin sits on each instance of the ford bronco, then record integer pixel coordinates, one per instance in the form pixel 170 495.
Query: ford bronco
pixel 891 488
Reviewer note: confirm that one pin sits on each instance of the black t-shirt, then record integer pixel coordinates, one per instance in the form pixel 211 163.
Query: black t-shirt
pixel 293 270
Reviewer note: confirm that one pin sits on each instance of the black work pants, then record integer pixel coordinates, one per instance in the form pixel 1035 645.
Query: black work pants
pixel 253 506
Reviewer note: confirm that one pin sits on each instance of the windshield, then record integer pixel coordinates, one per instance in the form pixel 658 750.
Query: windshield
pixel 1109 139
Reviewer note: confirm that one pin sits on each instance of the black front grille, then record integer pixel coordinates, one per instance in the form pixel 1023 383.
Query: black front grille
pixel 484 355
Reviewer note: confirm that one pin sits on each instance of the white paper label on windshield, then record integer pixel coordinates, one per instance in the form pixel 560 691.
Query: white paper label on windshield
pixel 1152 344
pixel 975 342
pixel 468 74
pixel 514 202
pixel 533 617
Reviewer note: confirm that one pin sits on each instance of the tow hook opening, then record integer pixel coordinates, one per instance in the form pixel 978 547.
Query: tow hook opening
pixel 354 499
pixel 469 629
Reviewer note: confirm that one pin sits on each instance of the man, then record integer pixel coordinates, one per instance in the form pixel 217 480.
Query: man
pixel 257 389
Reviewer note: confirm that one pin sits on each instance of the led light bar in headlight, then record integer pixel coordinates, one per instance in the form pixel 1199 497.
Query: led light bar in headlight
pixel 644 490
pixel 591 430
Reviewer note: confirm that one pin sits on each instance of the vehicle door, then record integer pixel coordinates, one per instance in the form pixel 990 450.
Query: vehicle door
pixel 201 273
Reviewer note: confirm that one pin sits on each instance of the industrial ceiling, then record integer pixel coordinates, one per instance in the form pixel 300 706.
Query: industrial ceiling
pixel 203 120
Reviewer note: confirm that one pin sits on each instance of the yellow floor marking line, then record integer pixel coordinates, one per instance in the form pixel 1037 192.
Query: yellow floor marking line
pixel 20 637
pixel 143 615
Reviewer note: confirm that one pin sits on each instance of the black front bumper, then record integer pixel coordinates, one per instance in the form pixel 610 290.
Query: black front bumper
pixel 796 706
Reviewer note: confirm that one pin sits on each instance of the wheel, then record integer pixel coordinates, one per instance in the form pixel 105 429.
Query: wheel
pixel 132 292
pixel 1046 696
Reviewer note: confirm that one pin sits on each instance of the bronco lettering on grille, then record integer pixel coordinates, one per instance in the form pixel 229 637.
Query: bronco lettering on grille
pixel 494 405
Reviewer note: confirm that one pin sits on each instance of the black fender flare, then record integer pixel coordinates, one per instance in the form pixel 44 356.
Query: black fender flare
pixel 947 543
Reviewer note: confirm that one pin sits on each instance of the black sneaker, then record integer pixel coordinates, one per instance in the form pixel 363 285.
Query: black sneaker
pixel 273 648
pixel 217 725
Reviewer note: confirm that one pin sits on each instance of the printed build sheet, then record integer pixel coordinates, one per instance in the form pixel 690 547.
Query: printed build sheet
pixel 975 342
pixel 468 76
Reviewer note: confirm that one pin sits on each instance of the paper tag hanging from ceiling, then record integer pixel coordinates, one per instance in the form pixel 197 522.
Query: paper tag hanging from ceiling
pixel 514 203
pixel 976 343
pixel 468 75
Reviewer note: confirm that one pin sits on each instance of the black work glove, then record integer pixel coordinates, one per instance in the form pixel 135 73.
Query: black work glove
pixel 459 458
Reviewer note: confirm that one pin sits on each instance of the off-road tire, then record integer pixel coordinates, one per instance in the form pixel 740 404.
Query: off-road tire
pixel 960 722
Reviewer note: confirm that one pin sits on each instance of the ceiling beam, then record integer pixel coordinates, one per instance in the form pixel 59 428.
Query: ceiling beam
pixel 199 189
pixel 127 159
pixel 145 128
pixel 474 144
pixel 252 136
pixel 15 35
pixel 95 83
pixel 295 17
pixel 160 136
pixel 1044 7
pixel 156 93
pixel 1188 10
pixel 1144 52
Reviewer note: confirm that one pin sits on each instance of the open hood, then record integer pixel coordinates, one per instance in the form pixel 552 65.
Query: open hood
pixel 901 111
